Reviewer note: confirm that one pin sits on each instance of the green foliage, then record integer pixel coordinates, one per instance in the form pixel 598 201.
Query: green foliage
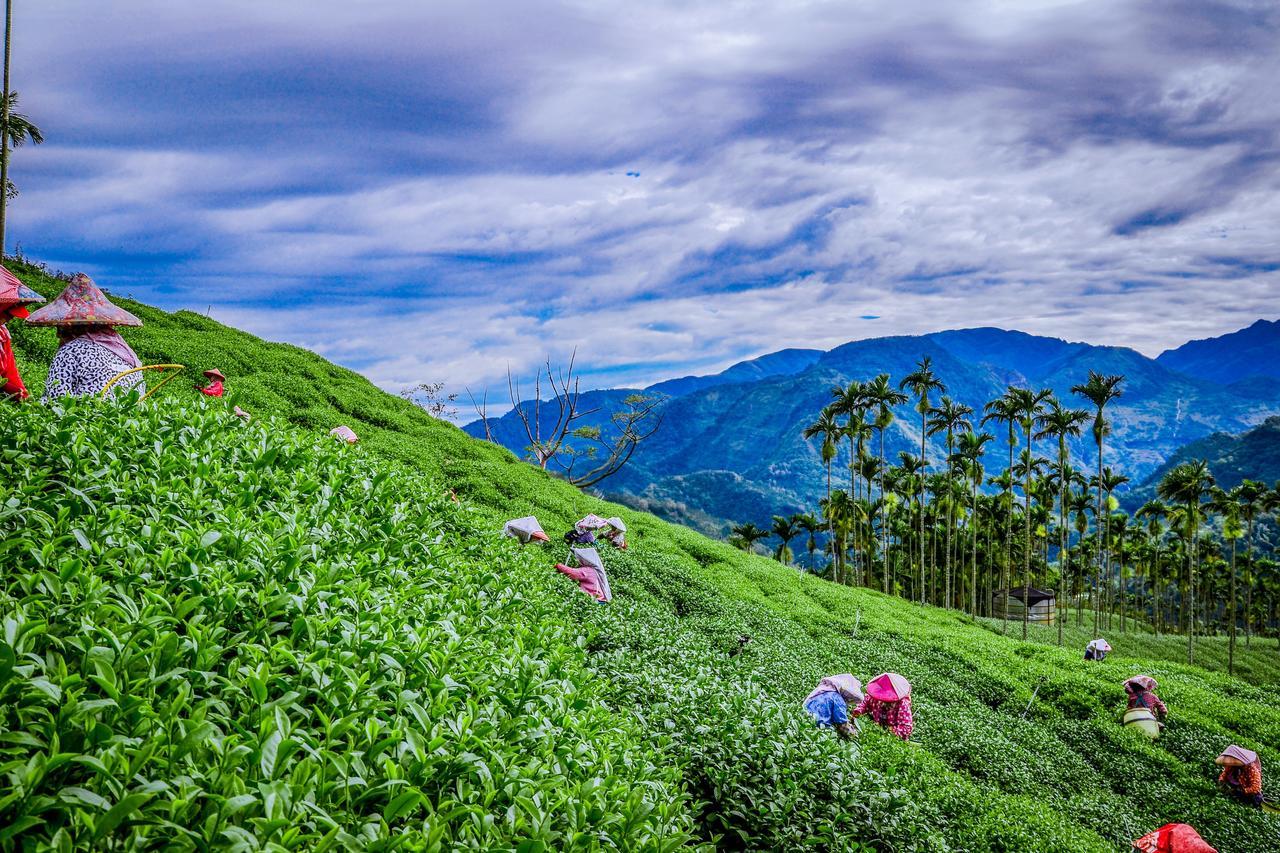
pixel 225 635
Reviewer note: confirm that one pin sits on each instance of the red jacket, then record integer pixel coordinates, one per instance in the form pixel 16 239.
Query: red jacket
pixel 10 380
pixel 213 389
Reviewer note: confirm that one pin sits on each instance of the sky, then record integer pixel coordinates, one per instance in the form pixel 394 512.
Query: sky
pixel 435 191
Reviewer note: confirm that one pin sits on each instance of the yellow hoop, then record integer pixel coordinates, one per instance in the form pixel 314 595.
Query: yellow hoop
pixel 176 368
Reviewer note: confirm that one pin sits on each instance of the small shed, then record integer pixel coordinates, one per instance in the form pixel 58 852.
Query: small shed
pixel 1009 604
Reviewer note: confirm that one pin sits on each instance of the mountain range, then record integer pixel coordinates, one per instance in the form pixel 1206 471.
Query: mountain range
pixel 730 449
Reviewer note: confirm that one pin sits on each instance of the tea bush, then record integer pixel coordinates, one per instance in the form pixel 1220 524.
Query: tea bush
pixel 218 635
pixel 650 725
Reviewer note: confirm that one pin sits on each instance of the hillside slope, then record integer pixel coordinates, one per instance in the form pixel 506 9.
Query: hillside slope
pixel 1016 745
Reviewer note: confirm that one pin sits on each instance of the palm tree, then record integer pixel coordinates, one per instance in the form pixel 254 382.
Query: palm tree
pixel 786 529
pixel 810 525
pixel 1187 484
pixel 1028 406
pixel 1002 410
pixel 882 397
pixel 1251 495
pixel 1119 522
pixel 1154 512
pixel 950 417
pixel 870 468
pixel 745 536
pixel 922 382
pixel 839 511
pixel 1099 390
pixel 1109 483
pixel 15 130
pixel 847 402
pixel 972 448
pixel 828 429
pixel 1081 507
pixel 913 484
pixel 1060 422
pixel 1227 504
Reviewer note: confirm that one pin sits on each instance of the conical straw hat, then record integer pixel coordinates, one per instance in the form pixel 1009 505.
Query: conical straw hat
pixel 14 292
pixel 889 687
pixel 82 304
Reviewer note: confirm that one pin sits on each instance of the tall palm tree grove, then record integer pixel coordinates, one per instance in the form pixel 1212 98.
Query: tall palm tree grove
pixel 944 535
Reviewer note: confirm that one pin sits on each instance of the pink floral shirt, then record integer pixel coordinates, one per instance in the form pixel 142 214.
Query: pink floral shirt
pixel 895 716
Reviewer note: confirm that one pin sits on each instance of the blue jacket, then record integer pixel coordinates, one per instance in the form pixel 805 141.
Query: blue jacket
pixel 829 708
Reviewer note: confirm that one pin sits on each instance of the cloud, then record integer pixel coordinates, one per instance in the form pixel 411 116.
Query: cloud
pixel 435 191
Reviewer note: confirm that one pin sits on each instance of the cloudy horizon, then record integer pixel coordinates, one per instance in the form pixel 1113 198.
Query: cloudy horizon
pixel 429 194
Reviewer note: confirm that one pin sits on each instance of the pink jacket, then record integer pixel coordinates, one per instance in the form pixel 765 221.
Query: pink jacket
pixel 895 716
pixel 588 580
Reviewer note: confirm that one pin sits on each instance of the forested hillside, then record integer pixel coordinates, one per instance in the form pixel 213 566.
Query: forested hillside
pixel 740 442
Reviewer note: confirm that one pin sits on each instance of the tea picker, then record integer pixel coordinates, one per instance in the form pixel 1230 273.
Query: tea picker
pixel 214 388
pixel 1097 650
pixel 344 433
pixel 92 357
pixel 588 571
pixel 1241 775
pixel 1173 838
pixel 829 703
pixel 1145 712
pixel 525 530
pixel 888 702
pixel 14 299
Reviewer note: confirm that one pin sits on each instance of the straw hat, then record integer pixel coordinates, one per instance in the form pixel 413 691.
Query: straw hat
pixel 82 304
pixel 215 373
pixel 1146 682
pixel 14 292
pixel 889 687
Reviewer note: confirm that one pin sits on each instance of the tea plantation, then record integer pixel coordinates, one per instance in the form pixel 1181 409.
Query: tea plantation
pixel 230 636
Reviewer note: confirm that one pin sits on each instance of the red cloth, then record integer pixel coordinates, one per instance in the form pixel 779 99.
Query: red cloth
pixel 587 578
pixel 9 368
pixel 1173 838
pixel 1247 779
pixel 1150 701
pixel 895 716
pixel 213 389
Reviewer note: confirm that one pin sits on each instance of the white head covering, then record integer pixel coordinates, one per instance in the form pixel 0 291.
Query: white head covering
pixel 523 529
pixel 845 685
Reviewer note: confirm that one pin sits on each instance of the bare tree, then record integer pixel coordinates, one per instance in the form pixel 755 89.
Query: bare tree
pixel 604 455
pixel 584 454
pixel 482 411
pixel 430 397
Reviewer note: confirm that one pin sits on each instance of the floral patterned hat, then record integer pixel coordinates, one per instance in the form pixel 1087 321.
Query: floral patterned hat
pixel 82 304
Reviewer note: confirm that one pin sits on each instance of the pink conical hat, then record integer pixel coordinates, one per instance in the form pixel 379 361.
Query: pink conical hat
pixel 1146 682
pixel 889 687
pixel 82 304
pixel 14 292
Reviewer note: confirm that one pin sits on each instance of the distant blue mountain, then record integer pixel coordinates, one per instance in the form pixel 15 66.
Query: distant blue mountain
pixel 781 363
pixel 1254 351
pixel 730 446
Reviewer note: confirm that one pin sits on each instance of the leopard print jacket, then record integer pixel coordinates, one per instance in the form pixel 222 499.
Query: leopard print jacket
pixel 82 369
